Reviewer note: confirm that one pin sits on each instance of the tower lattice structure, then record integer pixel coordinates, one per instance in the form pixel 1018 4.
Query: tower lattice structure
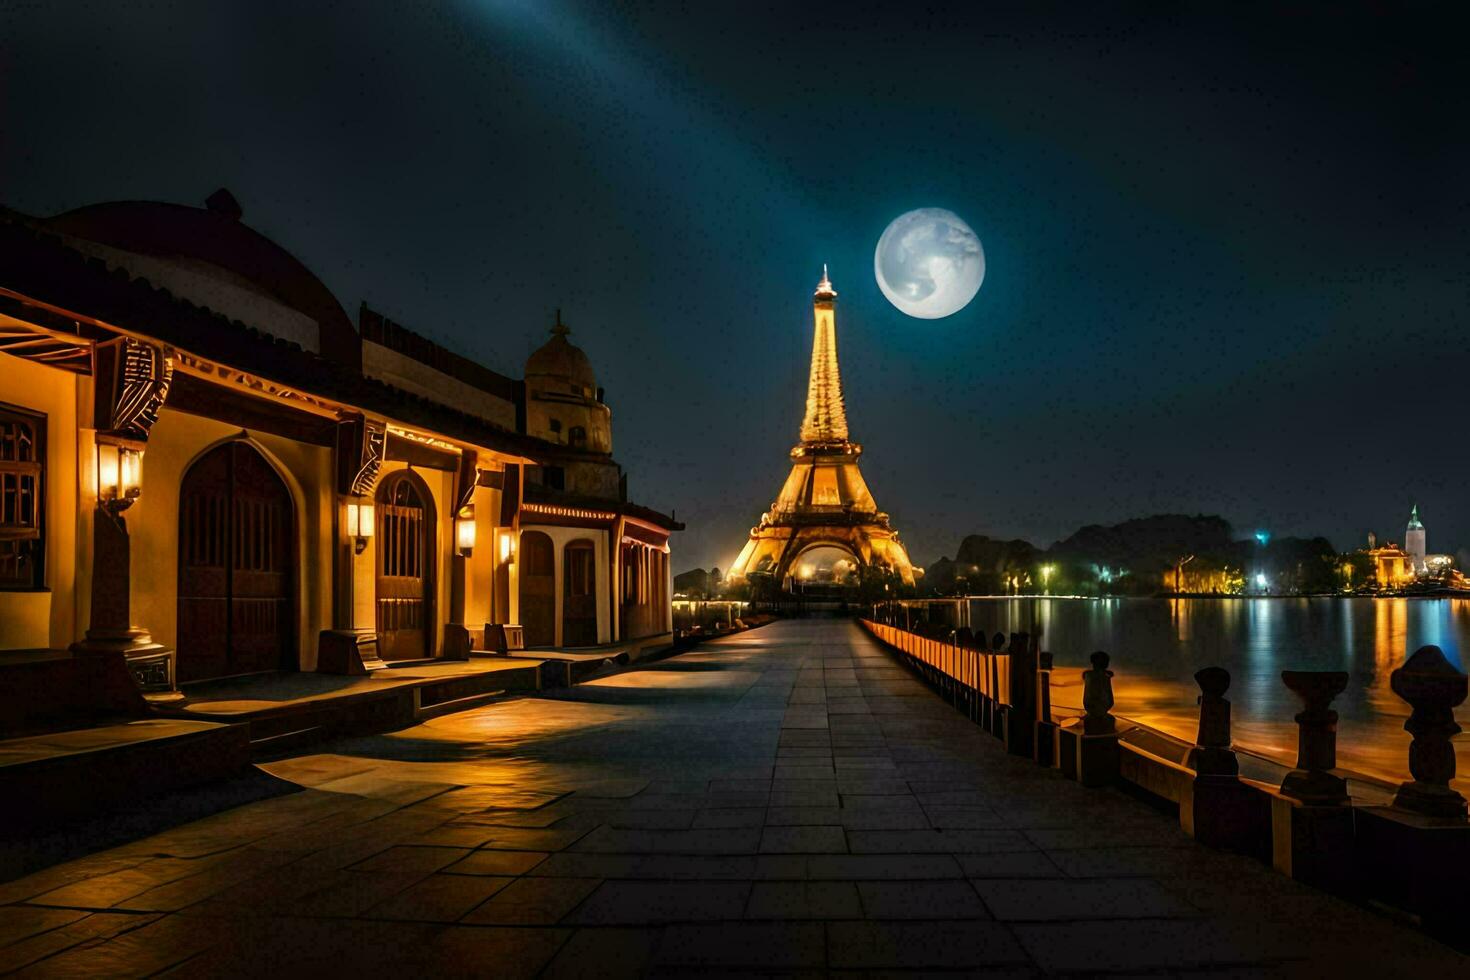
pixel 825 502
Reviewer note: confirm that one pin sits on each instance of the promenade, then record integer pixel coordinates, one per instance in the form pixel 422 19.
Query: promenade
pixel 787 800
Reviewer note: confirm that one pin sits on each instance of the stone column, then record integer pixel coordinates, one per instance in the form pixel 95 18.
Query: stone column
pixel 1433 689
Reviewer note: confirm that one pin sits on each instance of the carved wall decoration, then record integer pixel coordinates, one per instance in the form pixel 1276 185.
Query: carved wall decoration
pixel 132 382
pixel 466 480
pixel 360 445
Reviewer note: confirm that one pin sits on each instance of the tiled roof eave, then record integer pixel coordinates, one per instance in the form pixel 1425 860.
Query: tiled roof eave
pixel 41 267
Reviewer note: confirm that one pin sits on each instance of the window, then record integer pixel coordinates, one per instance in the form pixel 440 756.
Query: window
pixel 556 425
pixel 577 436
pixel 22 504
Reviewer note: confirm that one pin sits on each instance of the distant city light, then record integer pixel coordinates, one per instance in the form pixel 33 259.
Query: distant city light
pixel 1263 538
pixel 1260 580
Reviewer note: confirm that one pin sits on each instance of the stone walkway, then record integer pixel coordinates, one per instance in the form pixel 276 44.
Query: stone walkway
pixel 786 801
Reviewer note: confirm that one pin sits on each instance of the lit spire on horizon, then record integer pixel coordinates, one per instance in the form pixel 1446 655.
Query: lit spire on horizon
pixel 825 420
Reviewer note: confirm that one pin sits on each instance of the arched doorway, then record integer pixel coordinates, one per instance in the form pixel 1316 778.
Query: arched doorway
pixel 236 556
pixel 825 569
pixel 405 567
pixel 579 595
pixel 538 589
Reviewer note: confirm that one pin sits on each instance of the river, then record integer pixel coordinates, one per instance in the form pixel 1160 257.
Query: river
pixel 1158 644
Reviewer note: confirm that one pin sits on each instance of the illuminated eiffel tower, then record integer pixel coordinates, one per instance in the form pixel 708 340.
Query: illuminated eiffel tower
pixel 825 502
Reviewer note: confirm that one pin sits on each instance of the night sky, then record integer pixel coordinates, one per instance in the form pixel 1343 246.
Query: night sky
pixel 1227 252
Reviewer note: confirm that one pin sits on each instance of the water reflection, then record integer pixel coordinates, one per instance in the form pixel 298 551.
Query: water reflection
pixel 1158 644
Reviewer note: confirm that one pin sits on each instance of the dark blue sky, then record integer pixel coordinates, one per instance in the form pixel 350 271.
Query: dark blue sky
pixel 1228 251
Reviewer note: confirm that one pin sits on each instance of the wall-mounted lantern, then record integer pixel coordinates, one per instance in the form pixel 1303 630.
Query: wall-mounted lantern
pixel 119 473
pixel 507 546
pixel 360 520
pixel 464 530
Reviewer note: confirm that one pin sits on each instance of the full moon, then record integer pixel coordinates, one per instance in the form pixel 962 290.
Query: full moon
pixel 929 263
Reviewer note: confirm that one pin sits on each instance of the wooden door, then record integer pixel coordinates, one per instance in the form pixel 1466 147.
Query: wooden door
pixel 579 596
pixel 405 580
pixel 538 589
pixel 236 556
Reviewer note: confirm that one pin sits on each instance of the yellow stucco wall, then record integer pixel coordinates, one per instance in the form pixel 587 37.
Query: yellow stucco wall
pixel 153 522
pixel 50 618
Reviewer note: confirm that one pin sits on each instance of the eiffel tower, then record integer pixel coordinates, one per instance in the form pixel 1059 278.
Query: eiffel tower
pixel 825 502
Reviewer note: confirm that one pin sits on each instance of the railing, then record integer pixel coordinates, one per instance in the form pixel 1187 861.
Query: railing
pixel 1413 853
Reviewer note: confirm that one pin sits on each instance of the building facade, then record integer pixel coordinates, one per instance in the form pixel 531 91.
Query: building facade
pixel 205 465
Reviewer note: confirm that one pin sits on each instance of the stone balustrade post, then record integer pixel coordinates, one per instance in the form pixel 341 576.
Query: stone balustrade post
pixel 1089 752
pixel 1311 815
pixel 1312 781
pixel 1212 755
pixel 1433 688
pixel 1413 853
pixel 1097 696
pixel 1044 741
pixel 1215 807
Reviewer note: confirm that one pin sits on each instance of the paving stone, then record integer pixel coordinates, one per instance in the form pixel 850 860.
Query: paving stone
pixel 917 945
pixel 936 841
pixel 91 929
pixel 604 954
pixel 659 902
pixel 795 816
pixel 859 867
pixel 822 773
pixel 750 945
pixel 803 840
pixel 438 898
pixel 496 863
pixel 964 817
pixel 345 894
pixel 422 859
pixel 733 840
pixel 1009 864
pixel 23 921
pixel 465 951
pixel 920 900
pixel 804 798
pixel 803 900
pixel 151 945
pixel 660 866
pixel 532 901
pixel 730 817
pixel 1050 900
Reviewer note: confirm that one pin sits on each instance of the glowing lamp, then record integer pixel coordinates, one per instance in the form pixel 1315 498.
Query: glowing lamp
pixel 507 546
pixel 464 530
pixel 119 474
pixel 360 520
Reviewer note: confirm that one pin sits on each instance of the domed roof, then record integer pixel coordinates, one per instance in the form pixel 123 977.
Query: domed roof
pixel 560 358
pixel 212 236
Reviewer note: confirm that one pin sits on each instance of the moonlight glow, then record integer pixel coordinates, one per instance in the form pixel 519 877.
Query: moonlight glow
pixel 929 263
